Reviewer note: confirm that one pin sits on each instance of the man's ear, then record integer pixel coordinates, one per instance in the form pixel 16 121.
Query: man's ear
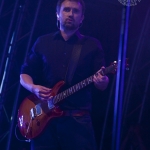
pixel 57 16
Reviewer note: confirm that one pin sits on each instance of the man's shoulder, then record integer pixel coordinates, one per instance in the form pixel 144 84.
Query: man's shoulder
pixel 48 37
pixel 92 40
pixel 45 40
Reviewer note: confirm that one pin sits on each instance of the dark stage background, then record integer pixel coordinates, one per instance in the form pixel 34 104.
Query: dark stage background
pixel 22 21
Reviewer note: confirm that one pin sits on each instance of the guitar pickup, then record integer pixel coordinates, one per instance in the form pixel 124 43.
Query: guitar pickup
pixel 37 111
pixel 50 103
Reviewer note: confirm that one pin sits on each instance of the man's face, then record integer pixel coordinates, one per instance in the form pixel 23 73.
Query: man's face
pixel 70 15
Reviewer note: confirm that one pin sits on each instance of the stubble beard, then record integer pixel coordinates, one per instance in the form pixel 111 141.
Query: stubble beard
pixel 69 26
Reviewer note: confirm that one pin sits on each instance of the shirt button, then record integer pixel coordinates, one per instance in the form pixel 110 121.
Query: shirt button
pixel 64 53
pixel 63 66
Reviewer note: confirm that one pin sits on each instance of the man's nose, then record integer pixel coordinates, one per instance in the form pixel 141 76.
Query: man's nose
pixel 71 13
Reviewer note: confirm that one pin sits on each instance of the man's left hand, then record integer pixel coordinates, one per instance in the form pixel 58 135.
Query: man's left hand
pixel 100 81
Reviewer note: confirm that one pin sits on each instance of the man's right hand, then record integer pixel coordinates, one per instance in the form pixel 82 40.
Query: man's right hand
pixel 43 93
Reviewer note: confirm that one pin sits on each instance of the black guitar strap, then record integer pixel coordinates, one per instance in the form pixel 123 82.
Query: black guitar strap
pixel 74 59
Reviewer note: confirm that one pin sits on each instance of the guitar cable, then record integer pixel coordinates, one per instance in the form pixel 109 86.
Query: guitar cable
pixel 18 137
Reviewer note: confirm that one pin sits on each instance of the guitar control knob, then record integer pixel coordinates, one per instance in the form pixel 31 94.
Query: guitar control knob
pixel 38 123
pixel 26 125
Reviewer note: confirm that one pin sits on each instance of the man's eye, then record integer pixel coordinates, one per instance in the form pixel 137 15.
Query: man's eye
pixel 76 11
pixel 67 9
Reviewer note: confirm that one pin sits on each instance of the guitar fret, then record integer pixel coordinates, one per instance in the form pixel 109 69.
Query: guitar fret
pixel 64 94
pixel 86 81
pixel 70 90
pixel 76 87
pixel 60 96
pixel 90 79
pixel 67 94
pixel 83 83
pixel 56 99
pixel 73 89
pixel 67 91
pixel 79 86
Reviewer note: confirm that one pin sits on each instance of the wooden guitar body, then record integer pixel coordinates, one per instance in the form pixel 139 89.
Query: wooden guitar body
pixel 34 114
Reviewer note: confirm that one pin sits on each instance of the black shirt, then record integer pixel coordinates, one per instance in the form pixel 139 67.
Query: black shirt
pixel 48 61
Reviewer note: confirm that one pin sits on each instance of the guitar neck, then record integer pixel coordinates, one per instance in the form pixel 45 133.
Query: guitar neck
pixel 57 98
pixel 73 89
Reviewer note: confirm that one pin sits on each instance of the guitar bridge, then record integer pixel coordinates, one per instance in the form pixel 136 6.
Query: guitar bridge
pixel 32 113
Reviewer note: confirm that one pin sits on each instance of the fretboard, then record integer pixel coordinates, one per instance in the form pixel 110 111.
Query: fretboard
pixel 72 89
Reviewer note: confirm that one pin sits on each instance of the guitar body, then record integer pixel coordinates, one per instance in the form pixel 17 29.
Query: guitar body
pixel 34 114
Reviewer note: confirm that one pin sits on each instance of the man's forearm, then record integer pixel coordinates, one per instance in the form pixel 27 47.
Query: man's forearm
pixel 27 82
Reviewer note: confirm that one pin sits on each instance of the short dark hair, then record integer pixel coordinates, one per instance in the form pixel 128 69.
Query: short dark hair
pixel 61 1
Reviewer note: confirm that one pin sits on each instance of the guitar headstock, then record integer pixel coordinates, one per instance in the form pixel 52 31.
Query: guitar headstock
pixel 113 67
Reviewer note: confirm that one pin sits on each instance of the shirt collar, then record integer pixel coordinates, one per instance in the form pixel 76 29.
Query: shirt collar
pixel 76 36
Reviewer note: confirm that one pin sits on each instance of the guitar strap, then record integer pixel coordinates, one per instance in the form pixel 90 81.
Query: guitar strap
pixel 74 59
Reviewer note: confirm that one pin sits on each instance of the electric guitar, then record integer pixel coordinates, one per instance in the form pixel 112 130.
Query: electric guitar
pixel 34 114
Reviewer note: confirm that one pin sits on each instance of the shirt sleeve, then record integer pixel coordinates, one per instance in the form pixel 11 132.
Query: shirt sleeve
pixel 33 62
